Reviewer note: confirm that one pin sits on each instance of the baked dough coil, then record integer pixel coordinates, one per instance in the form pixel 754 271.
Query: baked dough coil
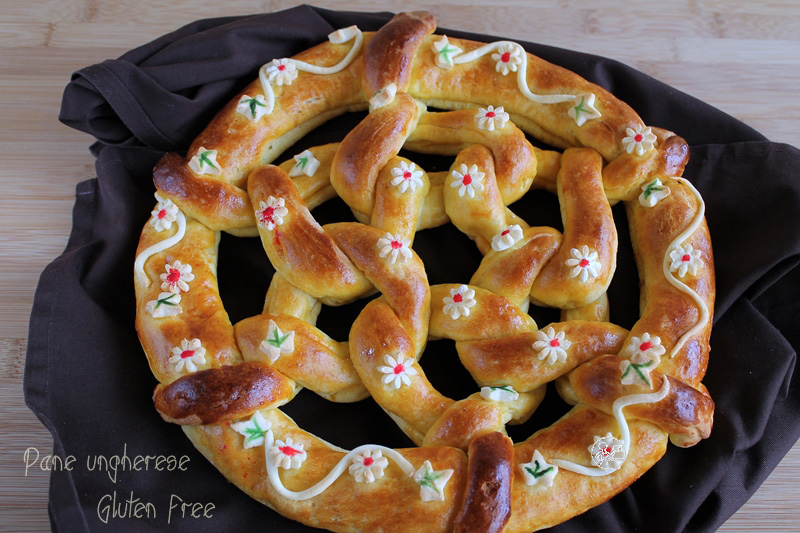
pixel 631 389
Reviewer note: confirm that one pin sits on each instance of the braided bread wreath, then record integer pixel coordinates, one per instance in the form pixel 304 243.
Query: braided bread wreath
pixel 630 389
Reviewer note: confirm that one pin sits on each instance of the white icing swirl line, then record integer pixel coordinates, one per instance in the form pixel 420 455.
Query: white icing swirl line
pixel 333 475
pixel 625 434
pixel 138 265
pixel 678 284
pixel 338 37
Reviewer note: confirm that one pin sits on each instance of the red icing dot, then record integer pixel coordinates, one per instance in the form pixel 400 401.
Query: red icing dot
pixel 638 138
pixel 266 215
pixel 368 461
pixel 399 369
pixel 162 213
pixel 606 451
pixel 555 343
pixel 505 232
pixel 505 58
pixel 396 245
pixel 490 114
pixel 646 346
pixel 281 67
pixel 458 298
pixel 407 175
pixel 288 450
pixel 187 353
pixel 467 179
pixel 584 262
pixel 686 258
pixel 174 275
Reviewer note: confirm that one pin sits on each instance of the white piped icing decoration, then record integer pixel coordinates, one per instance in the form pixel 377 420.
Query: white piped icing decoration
pixel 538 471
pixel 467 180
pixel 167 304
pixel 177 277
pixel 253 430
pixel 188 355
pixel 288 454
pixel 459 302
pixel 270 213
pixel 640 139
pixel 368 466
pixel 277 342
pixel 444 52
pixel 551 345
pixel 508 57
pixel 653 192
pixel 339 36
pixel 583 264
pixel 647 345
pixel 625 434
pixel 406 176
pixel 645 354
pixel 205 162
pixel 252 107
pixel 678 284
pixel 507 238
pixel 448 55
pixel 685 259
pixel 397 371
pixel 281 71
pixel 608 453
pixel 305 163
pixel 431 482
pixel 383 97
pixel 164 214
pixel 394 247
pixel 138 265
pixel 491 118
pixel 504 393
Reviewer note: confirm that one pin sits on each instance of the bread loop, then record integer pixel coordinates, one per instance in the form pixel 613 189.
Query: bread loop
pixel 630 389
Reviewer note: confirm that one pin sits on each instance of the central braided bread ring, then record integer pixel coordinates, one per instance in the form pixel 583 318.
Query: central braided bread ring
pixel 630 389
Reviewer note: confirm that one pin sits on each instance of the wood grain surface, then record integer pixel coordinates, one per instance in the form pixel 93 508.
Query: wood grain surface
pixel 740 56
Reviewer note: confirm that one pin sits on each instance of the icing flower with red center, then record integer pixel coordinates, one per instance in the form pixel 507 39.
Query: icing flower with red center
pixel 645 347
pixel 396 371
pixel 459 302
pixel 253 108
pixel 253 429
pixel 164 214
pixel 282 71
pixel 685 259
pixel 368 466
pixel 188 355
pixel 583 263
pixel 271 213
pixel 491 118
pixel 394 246
pixel 551 345
pixel 431 482
pixel 507 238
pixel 508 57
pixel 608 453
pixel 639 138
pixel 305 163
pixel 467 180
pixel 167 304
pixel 288 454
pixel 205 162
pixel 538 471
pixel 445 52
pixel 406 176
pixel 176 278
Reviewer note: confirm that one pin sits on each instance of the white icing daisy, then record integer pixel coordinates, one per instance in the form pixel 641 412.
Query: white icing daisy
pixel 188 355
pixel 468 180
pixel 277 342
pixel 287 455
pixel 384 96
pixel 653 192
pixel 397 371
pixel 253 429
pixel 306 164
pixel 270 213
pixel 164 214
pixel 176 277
pixel 685 259
pixel 431 482
pixel 639 138
pixel 282 71
pixel 584 263
pixel 394 246
pixel 205 162
pixel 538 471
pixel 645 347
pixel 507 238
pixel 445 52
pixel 252 107
pixel 583 109
pixel 499 394
pixel 459 302
pixel 406 176
pixel 491 118
pixel 551 345
pixel 608 453
pixel 368 466
pixel 165 305
pixel 508 57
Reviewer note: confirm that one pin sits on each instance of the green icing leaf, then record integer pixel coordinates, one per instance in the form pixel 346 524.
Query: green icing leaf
pixel 537 472
pixel 165 301
pixel 204 159
pixel 651 188
pixel 302 162
pixel 276 340
pixel 429 478
pixel 637 367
